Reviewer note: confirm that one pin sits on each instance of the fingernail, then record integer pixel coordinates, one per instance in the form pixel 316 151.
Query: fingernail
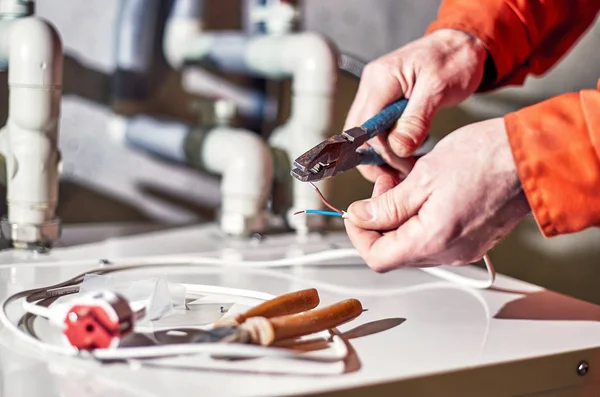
pixel 362 210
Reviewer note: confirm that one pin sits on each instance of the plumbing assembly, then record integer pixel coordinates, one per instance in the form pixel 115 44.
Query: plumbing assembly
pixel 31 51
pixel 244 159
pixel 248 163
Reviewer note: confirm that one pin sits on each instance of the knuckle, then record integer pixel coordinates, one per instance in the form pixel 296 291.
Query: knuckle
pixel 389 207
pixel 378 266
pixel 398 208
pixel 372 69
pixel 380 72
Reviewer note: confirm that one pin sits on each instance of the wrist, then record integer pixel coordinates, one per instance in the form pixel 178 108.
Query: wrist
pixel 476 51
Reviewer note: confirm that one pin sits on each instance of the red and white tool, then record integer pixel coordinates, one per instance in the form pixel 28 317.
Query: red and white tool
pixel 97 320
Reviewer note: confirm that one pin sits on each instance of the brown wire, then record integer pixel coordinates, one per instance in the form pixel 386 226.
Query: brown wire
pixel 323 199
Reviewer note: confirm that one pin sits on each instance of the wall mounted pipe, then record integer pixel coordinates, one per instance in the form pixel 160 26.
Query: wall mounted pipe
pixel 307 58
pixel 244 161
pixel 16 8
pixel 185 22
pixel 136 35
pixel 34 52
pixel 241 157
pixel 249 103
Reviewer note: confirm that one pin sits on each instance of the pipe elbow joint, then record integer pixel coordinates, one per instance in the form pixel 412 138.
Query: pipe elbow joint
pixel 245 163
pixel 244 160
pixel 35 53
pixel 180 31
pixel 315 66
pixel 34 74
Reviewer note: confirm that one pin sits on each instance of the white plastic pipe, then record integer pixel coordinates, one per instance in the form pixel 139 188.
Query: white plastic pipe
pixel 244 161
pixel 180 30
pixel 307 126
pixel 34 52
pixel 311 62
pixel 240 156
pixel 307 58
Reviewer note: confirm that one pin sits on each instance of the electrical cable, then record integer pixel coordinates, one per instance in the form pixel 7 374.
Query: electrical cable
pixel 222 349
pixel 351 65
pixel 441 273
pixel 339 345
pixel 319 212
pixel 231 350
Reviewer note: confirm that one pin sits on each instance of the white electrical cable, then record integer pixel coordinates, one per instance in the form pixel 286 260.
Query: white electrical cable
pixel 313 259
pixel 37 310
pixel 340 349
pixel 219 348
pixel 466 281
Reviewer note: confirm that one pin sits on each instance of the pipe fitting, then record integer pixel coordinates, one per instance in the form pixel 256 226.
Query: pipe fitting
pixel 308 58
pixel 32 157
pixel 244 161
pixel 31 236
pixel 16 8
pixel 35 51
pixel 179 32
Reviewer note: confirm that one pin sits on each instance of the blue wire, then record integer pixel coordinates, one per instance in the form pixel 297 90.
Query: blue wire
pixel 327 213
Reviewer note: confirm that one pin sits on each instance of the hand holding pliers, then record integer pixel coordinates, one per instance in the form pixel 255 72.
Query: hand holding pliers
pixel 342 152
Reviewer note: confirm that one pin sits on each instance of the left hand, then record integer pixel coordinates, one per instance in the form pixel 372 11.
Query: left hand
pixel 458 202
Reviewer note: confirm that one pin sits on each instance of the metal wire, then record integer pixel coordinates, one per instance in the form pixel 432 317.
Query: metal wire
pixel 319 212
pixel 324 200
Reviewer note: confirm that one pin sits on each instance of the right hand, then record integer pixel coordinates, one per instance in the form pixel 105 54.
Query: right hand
pixel 441 69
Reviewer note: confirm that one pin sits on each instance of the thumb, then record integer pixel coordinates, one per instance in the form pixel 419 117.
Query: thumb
pixel 411 129
pixel 385 211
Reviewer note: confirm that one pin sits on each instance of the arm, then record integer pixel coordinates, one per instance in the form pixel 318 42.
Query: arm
pixel 556 147
pixel 522 36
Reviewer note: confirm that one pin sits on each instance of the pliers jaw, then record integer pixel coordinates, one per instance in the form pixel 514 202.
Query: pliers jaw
pixel 332 156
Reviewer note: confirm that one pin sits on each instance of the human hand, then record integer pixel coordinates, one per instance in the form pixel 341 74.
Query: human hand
pixel 441 69
pixel 459 201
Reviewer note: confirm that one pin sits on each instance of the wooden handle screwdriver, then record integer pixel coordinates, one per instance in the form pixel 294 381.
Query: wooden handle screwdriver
pixel 291 303
pixel 266 331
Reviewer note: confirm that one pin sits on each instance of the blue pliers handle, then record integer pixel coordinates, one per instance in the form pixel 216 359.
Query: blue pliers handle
pixel 385 120
pixel 341 152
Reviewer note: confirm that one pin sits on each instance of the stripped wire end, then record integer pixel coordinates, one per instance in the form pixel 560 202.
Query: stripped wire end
pixel 319 212
pixel 324 200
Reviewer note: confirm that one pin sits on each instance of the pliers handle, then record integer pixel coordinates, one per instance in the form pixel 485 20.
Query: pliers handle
pixel 341 152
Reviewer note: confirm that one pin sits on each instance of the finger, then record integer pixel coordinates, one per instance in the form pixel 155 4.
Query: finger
pixel 403 247
pixel 390 209
pixel 377 89
pixel 372 172
pixel 382 185
pixel 411 129
pixel 380 145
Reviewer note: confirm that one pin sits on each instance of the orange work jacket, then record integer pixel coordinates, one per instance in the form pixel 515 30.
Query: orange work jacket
pixel 556 143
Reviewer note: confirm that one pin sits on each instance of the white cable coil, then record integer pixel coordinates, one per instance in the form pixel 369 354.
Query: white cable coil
pixel 230 350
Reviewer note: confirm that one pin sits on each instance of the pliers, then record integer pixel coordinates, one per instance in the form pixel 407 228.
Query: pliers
pixel 341 152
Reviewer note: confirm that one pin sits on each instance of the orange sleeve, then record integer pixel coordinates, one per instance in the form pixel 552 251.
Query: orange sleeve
pixel 556 146
pixel 522 36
